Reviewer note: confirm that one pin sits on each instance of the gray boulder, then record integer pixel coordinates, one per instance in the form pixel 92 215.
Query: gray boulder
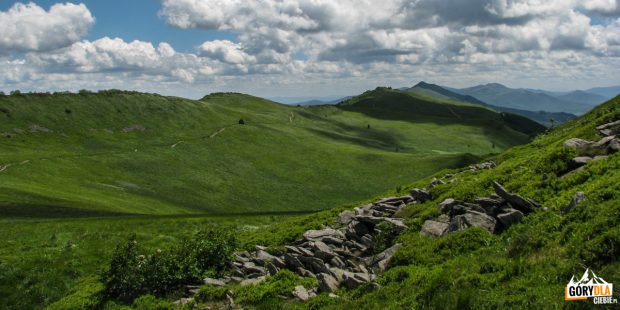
pixel 609 129
pixel 518 202
pixel 578 144
pixel 323 251
pixel 327 283
pixel 318 234
pixel 576 200
pixel 301 293
pixel 420 195
pixel 292 262
pixel 472 219
pixel 345 217
pixel 446 205
pixel 433 228
pixel 510 217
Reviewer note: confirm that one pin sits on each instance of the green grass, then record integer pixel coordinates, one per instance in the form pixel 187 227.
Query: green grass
pixel 68 196
pixel 284 159
pixel 527 266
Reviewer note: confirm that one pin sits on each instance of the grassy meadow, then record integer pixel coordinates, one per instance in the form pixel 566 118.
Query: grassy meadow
pixel 80 173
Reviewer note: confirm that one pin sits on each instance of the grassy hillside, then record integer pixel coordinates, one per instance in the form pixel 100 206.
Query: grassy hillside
pixel 79 173
pixel 115 153
pixel 525 267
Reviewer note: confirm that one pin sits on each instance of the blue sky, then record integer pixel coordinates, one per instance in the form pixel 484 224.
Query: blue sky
pixel 303 48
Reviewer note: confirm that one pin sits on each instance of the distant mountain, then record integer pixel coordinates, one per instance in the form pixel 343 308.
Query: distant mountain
pixel 607 92
pixel 523 99
pixel 440 92
pixel 580 96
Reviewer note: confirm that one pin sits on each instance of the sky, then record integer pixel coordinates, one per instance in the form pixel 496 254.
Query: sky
pixel 306 48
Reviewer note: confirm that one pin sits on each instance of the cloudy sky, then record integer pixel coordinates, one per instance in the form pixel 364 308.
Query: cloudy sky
pixel 306 48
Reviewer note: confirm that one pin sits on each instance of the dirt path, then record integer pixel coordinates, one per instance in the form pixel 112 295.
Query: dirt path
pixel 216 133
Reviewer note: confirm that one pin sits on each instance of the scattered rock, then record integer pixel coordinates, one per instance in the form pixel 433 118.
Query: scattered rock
pixel 472 219
pixel 327 283
pixel 483 166
pixel 434 228
pixel 213 282
pixel 577 199
pixel 301 293
pixel 254 281
pixel 345 217
pixel 518 202
pixel 510 217
pixel 420 195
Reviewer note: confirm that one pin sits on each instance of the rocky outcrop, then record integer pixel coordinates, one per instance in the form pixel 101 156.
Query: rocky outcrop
pixel 588 151
pixel 494 213
pixel 342 256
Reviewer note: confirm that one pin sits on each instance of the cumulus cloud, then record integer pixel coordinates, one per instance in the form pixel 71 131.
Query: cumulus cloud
pixel 345 42
pixel 28 27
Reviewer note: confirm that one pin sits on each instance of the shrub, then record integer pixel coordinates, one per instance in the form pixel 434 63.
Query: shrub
pixel 132 274
pixel 150 302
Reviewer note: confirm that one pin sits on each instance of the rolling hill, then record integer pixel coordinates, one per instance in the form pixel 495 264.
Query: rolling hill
pixel 124 153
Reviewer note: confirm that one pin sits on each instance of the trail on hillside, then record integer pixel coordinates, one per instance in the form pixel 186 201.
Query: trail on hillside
pixel 216 133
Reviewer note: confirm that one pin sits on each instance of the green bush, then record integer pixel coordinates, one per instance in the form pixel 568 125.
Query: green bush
pixel 150 302
pixel 132 274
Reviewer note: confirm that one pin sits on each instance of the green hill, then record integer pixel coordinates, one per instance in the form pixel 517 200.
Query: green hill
pixel 113 153
pixel 526 266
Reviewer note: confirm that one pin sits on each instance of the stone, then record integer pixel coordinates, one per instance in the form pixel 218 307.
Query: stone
pixel 399 200
pixel 332 240
pixel 433 228
pixel 357 230
pixel 272 269
pixel 292 249
pixel 518 202
pixel 382 259
pixel 337 262
pixel 510 217
pixel 363 210
pixel 350 281
pixel 305 252
pixel 322 251
pixel 420 195
pixel 318 234
pixel 472 219
pixel 614 146
pixel 253 281
pixel 305 272
pixel 603 142
pixel 367 241
pixel 213 282
pixel 397 224
pixel 337 273
pixel 580 161
pixel 301 293
pixel 489 204
pixel 608 129
pixel 262 257
pixel 292 262
pixel 260 248
pixel 578 144
pixel 577 199
pixel 372 220
pixel 473 206
pixel 446 205
pixel 345 217
pixel 314 264
pixel 327 283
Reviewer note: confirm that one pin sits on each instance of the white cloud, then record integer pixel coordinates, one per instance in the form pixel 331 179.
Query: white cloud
pixel 28 27
pixel 225 51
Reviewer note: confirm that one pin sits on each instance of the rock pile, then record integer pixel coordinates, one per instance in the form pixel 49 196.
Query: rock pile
pixel 494 213
pixel 589 150
pixel 483 166
pixel 343 256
